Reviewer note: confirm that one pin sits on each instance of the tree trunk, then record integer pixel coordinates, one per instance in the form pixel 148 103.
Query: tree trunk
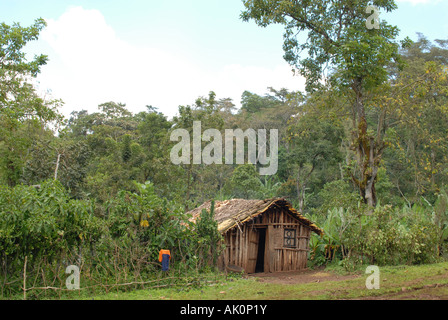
pixel 57 167
pixel 300 191
pixel 367 149
pixel 10 173
pixel 190 168
pixel 302 185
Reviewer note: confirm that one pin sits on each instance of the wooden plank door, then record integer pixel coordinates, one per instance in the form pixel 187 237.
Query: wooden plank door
pixel 269 258
pixel 252 249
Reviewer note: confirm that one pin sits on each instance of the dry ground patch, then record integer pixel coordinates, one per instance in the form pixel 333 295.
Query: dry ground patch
pixel 427 282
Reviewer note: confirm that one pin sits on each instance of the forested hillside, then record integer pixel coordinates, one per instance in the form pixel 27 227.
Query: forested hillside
pixel 95 155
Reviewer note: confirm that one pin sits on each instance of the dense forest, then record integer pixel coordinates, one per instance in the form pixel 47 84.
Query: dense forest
pixel 362 152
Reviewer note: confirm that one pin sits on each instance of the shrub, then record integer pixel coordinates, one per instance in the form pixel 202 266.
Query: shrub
pixel 51 231
pixel 384 236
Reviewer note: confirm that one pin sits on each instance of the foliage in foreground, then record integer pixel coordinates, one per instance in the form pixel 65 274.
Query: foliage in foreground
pixel 385 235
pixel 43 230
pixel 396 282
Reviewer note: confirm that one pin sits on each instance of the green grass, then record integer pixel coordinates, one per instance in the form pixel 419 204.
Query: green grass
pixel 399 282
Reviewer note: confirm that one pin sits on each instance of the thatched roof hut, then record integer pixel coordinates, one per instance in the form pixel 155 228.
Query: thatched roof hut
pixel 262 235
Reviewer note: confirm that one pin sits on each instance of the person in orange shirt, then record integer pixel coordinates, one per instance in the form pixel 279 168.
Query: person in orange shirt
pixel 165 257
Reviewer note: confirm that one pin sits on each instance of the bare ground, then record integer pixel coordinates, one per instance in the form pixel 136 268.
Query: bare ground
pixel 300 277
pixel 409 290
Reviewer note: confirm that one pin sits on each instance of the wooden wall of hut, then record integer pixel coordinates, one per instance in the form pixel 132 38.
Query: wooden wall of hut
pixel 277 240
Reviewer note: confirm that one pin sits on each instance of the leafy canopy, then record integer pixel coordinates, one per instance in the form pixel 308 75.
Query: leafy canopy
pixel 337 37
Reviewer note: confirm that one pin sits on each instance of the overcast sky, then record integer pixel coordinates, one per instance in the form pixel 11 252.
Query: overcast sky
pixel 168 53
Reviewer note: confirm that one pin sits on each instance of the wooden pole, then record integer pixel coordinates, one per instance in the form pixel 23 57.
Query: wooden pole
pixel 57 167
pixel 271 250
pixel 24 279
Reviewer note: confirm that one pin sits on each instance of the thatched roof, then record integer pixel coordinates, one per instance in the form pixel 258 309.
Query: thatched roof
pixel 230 213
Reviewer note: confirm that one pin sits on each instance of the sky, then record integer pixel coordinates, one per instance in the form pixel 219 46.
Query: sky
pixel 169 53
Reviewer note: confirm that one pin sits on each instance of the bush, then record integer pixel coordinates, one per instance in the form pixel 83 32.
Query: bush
pixel 51 231
pixel 384 236
pixel 45 227
pixel 210 238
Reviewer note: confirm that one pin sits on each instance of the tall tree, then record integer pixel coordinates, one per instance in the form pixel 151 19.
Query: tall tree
pixel 314 147
pixel 347 55
pixel 201 181
pixel 20 104
pixel 419 124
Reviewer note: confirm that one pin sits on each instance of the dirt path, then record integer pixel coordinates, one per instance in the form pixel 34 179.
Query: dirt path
pixel 406 290
pixel 299 277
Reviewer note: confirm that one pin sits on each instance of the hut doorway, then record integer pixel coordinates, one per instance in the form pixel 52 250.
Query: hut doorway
pixel 259 266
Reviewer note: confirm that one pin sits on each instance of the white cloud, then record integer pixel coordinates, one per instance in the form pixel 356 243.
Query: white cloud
pixel 233 79
pixel 91 65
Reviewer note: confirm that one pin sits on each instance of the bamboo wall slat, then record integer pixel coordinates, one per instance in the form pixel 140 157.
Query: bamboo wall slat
pixel 242 243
